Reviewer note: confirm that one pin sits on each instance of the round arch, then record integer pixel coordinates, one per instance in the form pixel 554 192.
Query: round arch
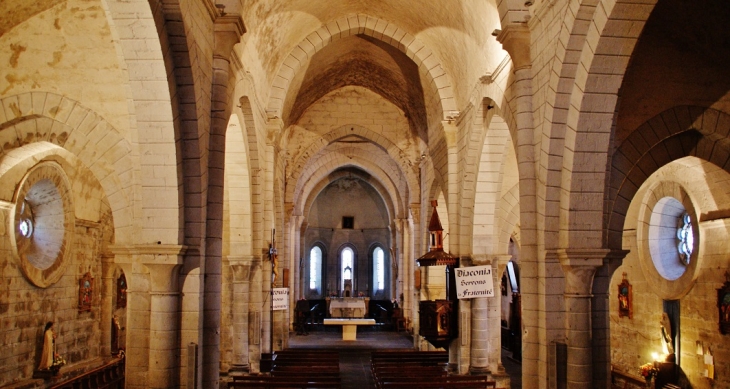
pixel 389 33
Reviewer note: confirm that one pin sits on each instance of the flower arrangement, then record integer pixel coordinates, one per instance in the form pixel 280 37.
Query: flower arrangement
pixel 58 361
pixel 648 371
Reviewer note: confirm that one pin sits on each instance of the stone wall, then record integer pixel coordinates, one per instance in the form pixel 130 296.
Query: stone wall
pixel 635 340
pixel 25 309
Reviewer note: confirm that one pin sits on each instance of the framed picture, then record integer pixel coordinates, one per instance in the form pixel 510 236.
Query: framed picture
pixel 625 308
pixel 723 304
pixel 86 292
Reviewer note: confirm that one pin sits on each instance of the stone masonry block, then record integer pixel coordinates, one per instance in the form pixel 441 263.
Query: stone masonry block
pixel 355 26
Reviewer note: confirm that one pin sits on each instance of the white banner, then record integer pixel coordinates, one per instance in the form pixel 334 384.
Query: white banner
pixel 475 281
pixel 281 299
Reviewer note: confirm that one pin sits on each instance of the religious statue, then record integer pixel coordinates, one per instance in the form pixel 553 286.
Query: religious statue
pixel 49 358
pixel 115 335
pixel 667 333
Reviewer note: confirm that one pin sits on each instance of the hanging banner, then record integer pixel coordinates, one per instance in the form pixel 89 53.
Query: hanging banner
pixel 281 299
pixel 475 281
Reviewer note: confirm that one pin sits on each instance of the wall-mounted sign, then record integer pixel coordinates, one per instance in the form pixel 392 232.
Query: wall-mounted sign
pixel 281 299
pixel 473 282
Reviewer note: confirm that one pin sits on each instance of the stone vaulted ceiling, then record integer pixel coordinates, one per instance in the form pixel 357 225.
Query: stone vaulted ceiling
pixel 17 11
pixel 458 33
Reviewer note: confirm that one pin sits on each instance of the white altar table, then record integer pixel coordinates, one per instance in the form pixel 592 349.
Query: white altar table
pixel 348 307
pixel 349 326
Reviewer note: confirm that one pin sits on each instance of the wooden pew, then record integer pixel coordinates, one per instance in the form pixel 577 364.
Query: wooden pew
pixel 264 382
pixel 479 382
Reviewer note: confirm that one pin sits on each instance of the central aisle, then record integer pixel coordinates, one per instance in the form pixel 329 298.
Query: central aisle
pixel 354 355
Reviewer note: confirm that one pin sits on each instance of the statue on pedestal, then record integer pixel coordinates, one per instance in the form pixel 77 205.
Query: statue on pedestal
pixel 50 362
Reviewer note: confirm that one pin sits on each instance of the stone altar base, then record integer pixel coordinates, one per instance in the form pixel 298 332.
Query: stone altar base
pixel 349 326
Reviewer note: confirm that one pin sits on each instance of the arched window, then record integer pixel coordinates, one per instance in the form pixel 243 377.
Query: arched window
pixel 315 268
pixel 347 262
pixel 379 269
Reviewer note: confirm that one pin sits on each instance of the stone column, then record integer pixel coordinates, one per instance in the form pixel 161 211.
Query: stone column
pixel 109 284
pixel 255 320
pixel 240 268
pixel 515 39
pixel 228 29
pixel 494 316
pixel 601 318
pixel 479 363
pixel 153 313
pixel 580 266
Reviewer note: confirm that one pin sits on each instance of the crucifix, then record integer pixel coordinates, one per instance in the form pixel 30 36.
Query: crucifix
pixel 273 257
pixel 274 274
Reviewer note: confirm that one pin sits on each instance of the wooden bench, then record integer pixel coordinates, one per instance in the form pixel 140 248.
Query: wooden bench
pixel 263 382
pixel 479 382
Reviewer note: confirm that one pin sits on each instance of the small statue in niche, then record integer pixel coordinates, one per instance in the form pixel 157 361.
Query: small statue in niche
pixel 115 335
pixel 50 360
pixel 667 333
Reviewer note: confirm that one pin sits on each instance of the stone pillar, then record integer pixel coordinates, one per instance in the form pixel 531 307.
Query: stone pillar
pixel 515 39
pixel 580 266
pixel 240 268
pixel 228 31
pixel 153 313
pixel 601 318
pixel 108 284
pixel 255 316
pixel 272 321
pixel 494 317
pixel 479 363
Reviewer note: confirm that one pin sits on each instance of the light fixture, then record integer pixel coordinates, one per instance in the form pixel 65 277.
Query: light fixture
pixel 496 32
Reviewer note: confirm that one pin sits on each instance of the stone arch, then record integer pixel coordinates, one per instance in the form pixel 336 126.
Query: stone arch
pixel 605 43
pixel 487 185
pixel 397 156
pixel 382 168
pixel 254 153
pixel 326 174
pixel 237 200
pixel 45 120
pixel 150 112
pixel 508 218
pixel 675 133
pixel 382 190
pixel 389 33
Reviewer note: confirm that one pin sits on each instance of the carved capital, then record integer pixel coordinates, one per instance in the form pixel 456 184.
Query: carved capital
pixel 515 38
pixel 162 261
pixel 228 31
pixel 241 267
pixel 580 266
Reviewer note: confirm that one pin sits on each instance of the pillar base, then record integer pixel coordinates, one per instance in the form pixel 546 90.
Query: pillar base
pixel 242 368
pixel 479 370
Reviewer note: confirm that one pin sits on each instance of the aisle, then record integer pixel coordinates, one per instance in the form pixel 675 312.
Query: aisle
pixel 354 356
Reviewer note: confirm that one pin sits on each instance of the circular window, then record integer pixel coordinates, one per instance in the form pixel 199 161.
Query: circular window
pixel 25 226
pixel 671 238
pixel 668 239
pixel 43 223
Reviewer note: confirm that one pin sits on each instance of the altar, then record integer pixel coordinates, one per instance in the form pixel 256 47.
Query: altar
pixel 349 326
pixel 348 307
